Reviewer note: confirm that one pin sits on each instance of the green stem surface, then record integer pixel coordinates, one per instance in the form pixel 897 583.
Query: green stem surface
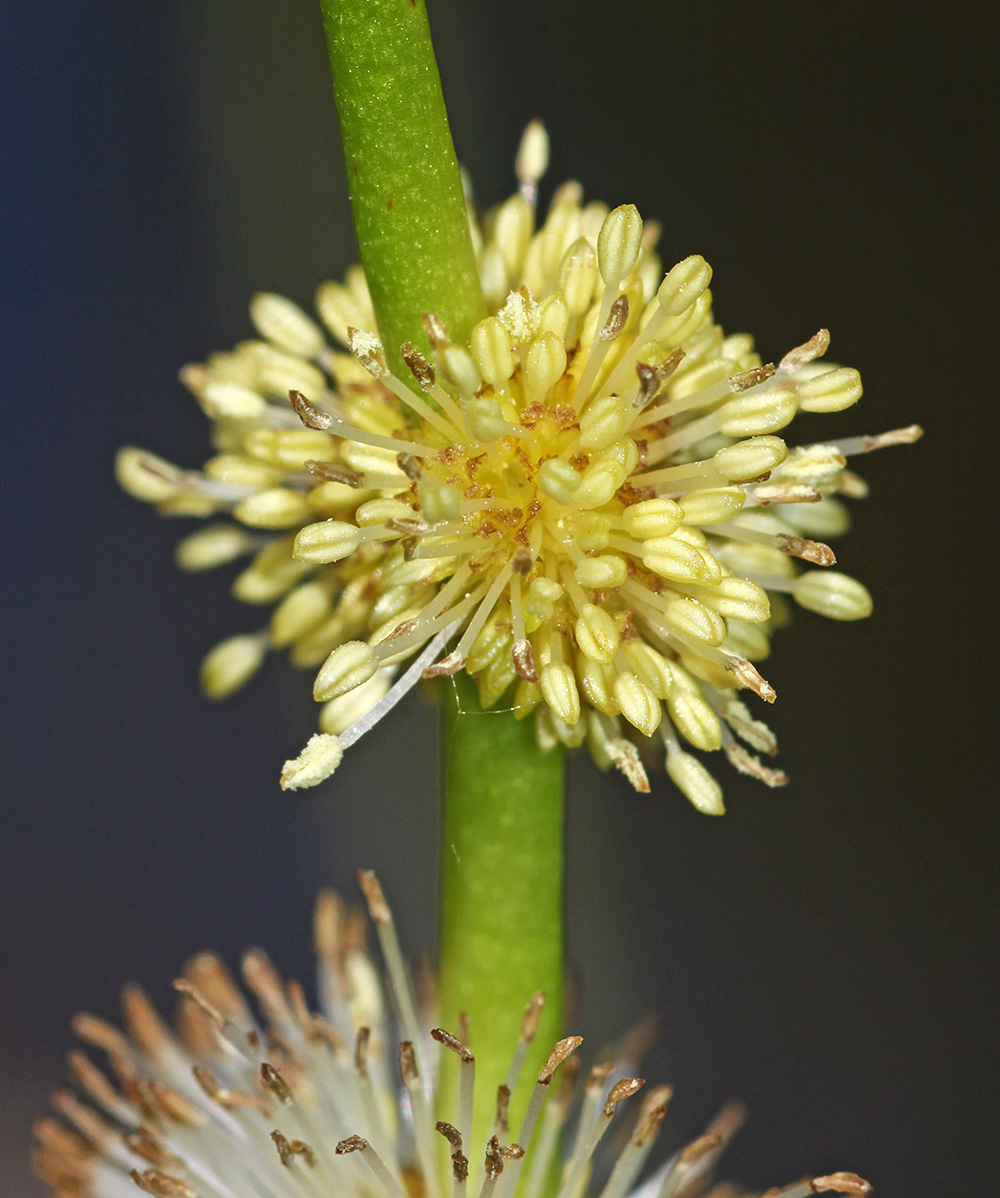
pixel 501 869
pixel 406 192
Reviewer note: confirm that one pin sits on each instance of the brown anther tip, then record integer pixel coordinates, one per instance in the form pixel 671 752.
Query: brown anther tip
pixel 522 562
pixel 746 763
pixel 511 1152
pixel 598 1075
pixel 450 1133
pixel 334 472
pixel 361 1050
pixel 620 1091
pixel 410 466
pixel 494 1159
pixel 422 370
pixel 750 678
pixel 809 551
pixel 351 1144
pixel 153 1181
pixel 501 1120
pixel 308 413
pixel 378 908
pixel 408 1063
pixel 841 1183
pixel 562 1050
pixel 524 661
pixel 272 1078
pixel 652 1114
pixel 446 666
pixel 532 1016
pixel 617 319
pixel 452 1042
pixel 435 329
pixel 700 1148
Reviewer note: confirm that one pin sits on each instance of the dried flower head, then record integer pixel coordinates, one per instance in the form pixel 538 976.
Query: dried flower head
pixel 587 507
pixel 294 1103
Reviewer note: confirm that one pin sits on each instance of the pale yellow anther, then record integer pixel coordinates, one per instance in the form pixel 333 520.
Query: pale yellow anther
pixel 231 401
pixel 317 761
pixel 826 519
pixel 694 719
pixel 438 501
pixel 326 541
pixel 695 782
pixel 831 391
pixel 543 595
pixel 533 153
pixel 750 459
pixel 558 480
pixel 605 421
pixel 299 613
pixel 649 667
pixel 757 412
pixel 597 633
pixel 279 373
pixel 211 546
pixel 288 448
pixel 746 558
pixel 274 508
pixel 834 595
pixel 652 518
pixel 242 471
pixel 338 715
pixel 231 664
pixel 485 419
pixel 372 459
pixel 459 368
pixel 285 325
pixel 592 531
pixel 637 703
pixel 145 476
pixel 543 365
pixel 493 276
pixel 340 310
pixel 600 482
pixel 596 681
pixel 746 640
pixel 515 222
pixel 693 619
pixel 348 666
pixel 623 453
pixel 712 506
pixel 619 243
pixel 608 570
pixel 738 599
pixel 492 351
pixel 553 315
pixel 577 276
pixel 558 686
pixel 671 558
pixel 381 511
pixel 684 284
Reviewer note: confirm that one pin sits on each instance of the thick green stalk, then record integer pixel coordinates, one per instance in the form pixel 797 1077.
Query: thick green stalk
pixel 406 193
pixel 501 920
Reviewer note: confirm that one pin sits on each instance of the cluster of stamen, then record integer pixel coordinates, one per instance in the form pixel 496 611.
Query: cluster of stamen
pixel 587 507
pixel 299 1105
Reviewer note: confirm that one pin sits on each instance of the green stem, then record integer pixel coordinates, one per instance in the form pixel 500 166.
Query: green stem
pixel 406 192
pixel 501 919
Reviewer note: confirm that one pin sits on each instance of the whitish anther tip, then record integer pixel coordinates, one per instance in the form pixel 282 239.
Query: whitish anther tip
pixel 322 754
pixel 617 318
pixel 700 1148
pixel 435 329
pixel 625 757
pixel 308 413
pixel 559 1053
pixel 841 1183
pixel 524 661
pixel 532 1016
pixel 751 378
pixel 367 348
pixel 750 678
pixel 422 370
pixel 446 666
pixel 746 763
pixel 371 888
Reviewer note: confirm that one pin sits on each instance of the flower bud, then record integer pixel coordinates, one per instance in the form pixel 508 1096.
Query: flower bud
pixel 683 284
pixel 619 243
pixel 747 460
pixel 285 325
pixel 836 596
pixel 326 541
pixel 559 691
pixel 695 782
pixel 558 480
pixel 831 391
pixel 597 633
pixel 637 702
pixel 348 666
pixel 275 508
pixel 231 665
pixel 653 518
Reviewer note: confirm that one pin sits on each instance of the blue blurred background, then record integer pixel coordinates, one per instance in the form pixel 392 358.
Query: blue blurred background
pixel 827 952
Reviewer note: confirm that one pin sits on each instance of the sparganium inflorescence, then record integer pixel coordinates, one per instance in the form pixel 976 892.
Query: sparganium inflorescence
pixel 588 507
pixel 299 1104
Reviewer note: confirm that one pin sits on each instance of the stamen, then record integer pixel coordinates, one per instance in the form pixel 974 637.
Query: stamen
pixel 634 1156
pixel 485 609
pixel 423 1126
pixel 374 1162
pixel 313 417
pixel 581 1157
pixel 851 446
pixel 809 551
pixel 466 1082
pixel 459 1161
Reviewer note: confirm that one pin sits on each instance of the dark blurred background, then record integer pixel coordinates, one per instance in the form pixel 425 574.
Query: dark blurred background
pixel 826 952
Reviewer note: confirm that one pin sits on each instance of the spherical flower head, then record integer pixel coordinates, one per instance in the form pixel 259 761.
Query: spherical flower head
pixel 238 1103
pixel 588 507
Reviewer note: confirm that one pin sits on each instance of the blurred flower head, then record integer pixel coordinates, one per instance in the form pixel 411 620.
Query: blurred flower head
pixel 232 1105
pixel 588 507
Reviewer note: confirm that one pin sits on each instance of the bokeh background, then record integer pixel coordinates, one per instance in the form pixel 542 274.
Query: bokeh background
pixel 827 952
